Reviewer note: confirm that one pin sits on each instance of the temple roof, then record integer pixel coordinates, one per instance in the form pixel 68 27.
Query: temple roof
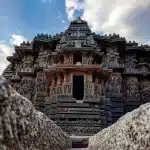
pixel 79 21
pixel 78 36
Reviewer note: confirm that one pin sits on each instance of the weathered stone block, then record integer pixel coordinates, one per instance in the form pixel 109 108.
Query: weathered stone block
pixel 23 127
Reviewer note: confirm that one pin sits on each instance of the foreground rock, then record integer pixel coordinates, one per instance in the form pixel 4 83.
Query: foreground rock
pixel 22 127
pixel 131 132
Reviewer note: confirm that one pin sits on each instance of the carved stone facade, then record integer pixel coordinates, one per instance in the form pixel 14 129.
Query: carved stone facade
pixel 81 80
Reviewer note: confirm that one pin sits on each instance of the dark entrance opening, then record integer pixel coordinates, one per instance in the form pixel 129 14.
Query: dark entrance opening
pixel 79 145
pixel 77 57
pixel 78 87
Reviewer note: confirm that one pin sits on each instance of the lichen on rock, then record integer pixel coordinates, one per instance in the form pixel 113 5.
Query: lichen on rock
pixel 22 127
pixel 130 132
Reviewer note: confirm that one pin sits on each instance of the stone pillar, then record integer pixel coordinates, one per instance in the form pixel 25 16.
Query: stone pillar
pixel 65 77
pixel 41 90
pixel 131 93
pixel 89 85
pixel 67 86
pixel 59 89
pixel 114 93
pixel 58 79
pixel 52 89
pixel 41 83
pixel 98 87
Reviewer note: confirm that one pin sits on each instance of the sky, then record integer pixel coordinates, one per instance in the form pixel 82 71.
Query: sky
pixel 21 20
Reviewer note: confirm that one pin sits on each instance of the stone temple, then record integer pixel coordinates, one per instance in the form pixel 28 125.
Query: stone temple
pixel 82 80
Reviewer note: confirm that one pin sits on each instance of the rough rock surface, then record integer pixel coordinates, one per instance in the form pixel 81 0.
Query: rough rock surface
pixel 131 132
pixel 22 127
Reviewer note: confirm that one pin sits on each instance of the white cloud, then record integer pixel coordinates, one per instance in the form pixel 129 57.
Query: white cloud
pixel 128 18
pixel 7 50
pixel 72 6
pixel 17 39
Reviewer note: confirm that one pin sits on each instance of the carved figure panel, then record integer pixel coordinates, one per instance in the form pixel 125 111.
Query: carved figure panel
pixel 89 88
pixel 114 83
pixel 68 59
pixel 41 82
pixel 130 64
pixel 132 89
pixel 143 69
pixel 52 91
pixel 43 59
pixel 67 89
pixel 145 90
pixel 89 78
pixel 87 59
pixel 98 89
pixel 112 57
pixel 59 90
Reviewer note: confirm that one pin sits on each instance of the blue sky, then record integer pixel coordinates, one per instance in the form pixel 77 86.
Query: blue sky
pixel 22 19
pixel 29 17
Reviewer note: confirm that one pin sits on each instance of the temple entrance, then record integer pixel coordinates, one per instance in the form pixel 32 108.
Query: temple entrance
pixel 78 87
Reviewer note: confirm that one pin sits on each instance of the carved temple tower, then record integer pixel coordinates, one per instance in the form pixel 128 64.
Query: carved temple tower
pixel 81 80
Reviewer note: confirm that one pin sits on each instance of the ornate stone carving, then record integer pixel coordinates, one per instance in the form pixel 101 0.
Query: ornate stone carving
pixel 59 90
pixel 41 82
pixel 68 59
pixel 85 122
pixel 112 57
pixel 89 88
pixel 53 91
pixel 67 89
pixel 87 59
pixel 98 89
pixel 132 89
pixel 145 90
pixel 27 87
pixel 143 70
pixel 130 64
pixel 82 130
pixel 91 40
pixel 114 83
pixel 43 59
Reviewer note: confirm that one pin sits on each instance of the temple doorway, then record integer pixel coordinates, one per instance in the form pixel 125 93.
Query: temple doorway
pixel 78 87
